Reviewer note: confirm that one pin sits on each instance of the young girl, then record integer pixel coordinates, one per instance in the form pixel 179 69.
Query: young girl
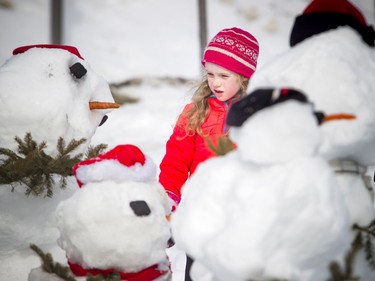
pixel 229 60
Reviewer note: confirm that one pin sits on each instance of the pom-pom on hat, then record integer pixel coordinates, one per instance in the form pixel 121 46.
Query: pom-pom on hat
pixel 123 163
pixel 70 49
pixel 258 100
pixel 323 15
pixel 234 49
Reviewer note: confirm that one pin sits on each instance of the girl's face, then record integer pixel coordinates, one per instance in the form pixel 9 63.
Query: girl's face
pixel 223 83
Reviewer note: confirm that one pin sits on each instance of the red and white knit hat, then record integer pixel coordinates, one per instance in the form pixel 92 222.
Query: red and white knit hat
pixel 234 49
pixel 122 163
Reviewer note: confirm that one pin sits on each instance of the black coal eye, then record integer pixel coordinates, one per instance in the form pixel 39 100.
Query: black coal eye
pixel 140 208
pixel 105 117
pixel 319 116
pixel 78 70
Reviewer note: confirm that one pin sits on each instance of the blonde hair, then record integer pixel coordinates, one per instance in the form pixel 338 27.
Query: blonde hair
pixel 200 107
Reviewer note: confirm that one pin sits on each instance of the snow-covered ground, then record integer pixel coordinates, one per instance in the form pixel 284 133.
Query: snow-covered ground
pixel 124 39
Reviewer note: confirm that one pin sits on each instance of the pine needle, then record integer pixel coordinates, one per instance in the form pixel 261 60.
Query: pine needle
pixel 109 277
pixel 34 169
pixel 49 266
pixel 363 240
pixel 368 233
pixel 95 151
pixel 224 145
pixel 52 267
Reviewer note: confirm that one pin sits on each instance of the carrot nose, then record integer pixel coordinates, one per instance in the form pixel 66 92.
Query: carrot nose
pixel 339 116
pixel 102 105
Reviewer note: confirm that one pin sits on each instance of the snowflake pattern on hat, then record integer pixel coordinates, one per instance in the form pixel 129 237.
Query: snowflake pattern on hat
pixel 237 48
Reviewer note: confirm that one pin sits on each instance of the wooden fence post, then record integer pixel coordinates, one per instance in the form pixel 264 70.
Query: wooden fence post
pixel 202 25
pixel 56 21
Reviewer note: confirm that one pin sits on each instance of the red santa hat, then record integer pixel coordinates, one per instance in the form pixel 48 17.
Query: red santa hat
pixel 70 49
pixel 323 15
pixel 123 163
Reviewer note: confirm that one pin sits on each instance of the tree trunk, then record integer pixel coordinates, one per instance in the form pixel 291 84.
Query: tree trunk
pixel 202 25
pixel 56 21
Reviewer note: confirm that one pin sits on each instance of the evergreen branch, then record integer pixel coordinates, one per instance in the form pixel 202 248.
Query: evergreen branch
pixel 369 252
pixel 12 156
pixel 335 270
pixel 369 233
pixel 349 258
pixel 61 145
pixel 28 145
pixel 224 145
pixel 35 169
pixel 370 229
pixel 109 277
pixel 64 150
pixel 346 274
pixel 94 151
pixel 49 266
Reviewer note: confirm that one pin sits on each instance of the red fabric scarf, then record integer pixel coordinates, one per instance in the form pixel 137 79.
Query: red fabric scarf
pixel 147 274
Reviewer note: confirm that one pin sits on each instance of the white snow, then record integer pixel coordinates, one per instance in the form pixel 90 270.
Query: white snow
pixel 270 209
pixel 122 39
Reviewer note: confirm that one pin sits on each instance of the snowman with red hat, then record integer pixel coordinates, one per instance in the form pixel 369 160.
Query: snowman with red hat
pixel 50 91
pixel 332 60
pixel 271 209
pixel 115 223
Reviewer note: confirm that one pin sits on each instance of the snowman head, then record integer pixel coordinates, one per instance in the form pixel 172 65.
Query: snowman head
pixel 321 15
pixel 50 91
pixel 114 225
pixel 123 163
pixel 334 68
pixel 271 126
pixel 117 220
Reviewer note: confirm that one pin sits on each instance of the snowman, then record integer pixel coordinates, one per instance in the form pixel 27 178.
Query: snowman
pixel 116 222
pixel 271 209
pixel 50 91
pixel 332 60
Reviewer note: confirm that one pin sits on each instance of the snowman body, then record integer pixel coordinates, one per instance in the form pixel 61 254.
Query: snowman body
pixel 39 94
pixel 333 68
pixel 270 209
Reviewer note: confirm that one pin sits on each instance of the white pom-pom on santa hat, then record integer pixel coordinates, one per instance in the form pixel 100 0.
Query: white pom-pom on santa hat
pixel 122 163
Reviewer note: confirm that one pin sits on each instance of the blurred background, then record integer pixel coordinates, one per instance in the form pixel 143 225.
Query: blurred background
pixel 126 38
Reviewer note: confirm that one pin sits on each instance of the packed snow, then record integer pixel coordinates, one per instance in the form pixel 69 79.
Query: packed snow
pixel 269 210
pixel 154 39
pixel 56 101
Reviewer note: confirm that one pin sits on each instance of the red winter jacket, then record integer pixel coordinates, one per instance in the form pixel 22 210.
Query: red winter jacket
pixel 185 152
